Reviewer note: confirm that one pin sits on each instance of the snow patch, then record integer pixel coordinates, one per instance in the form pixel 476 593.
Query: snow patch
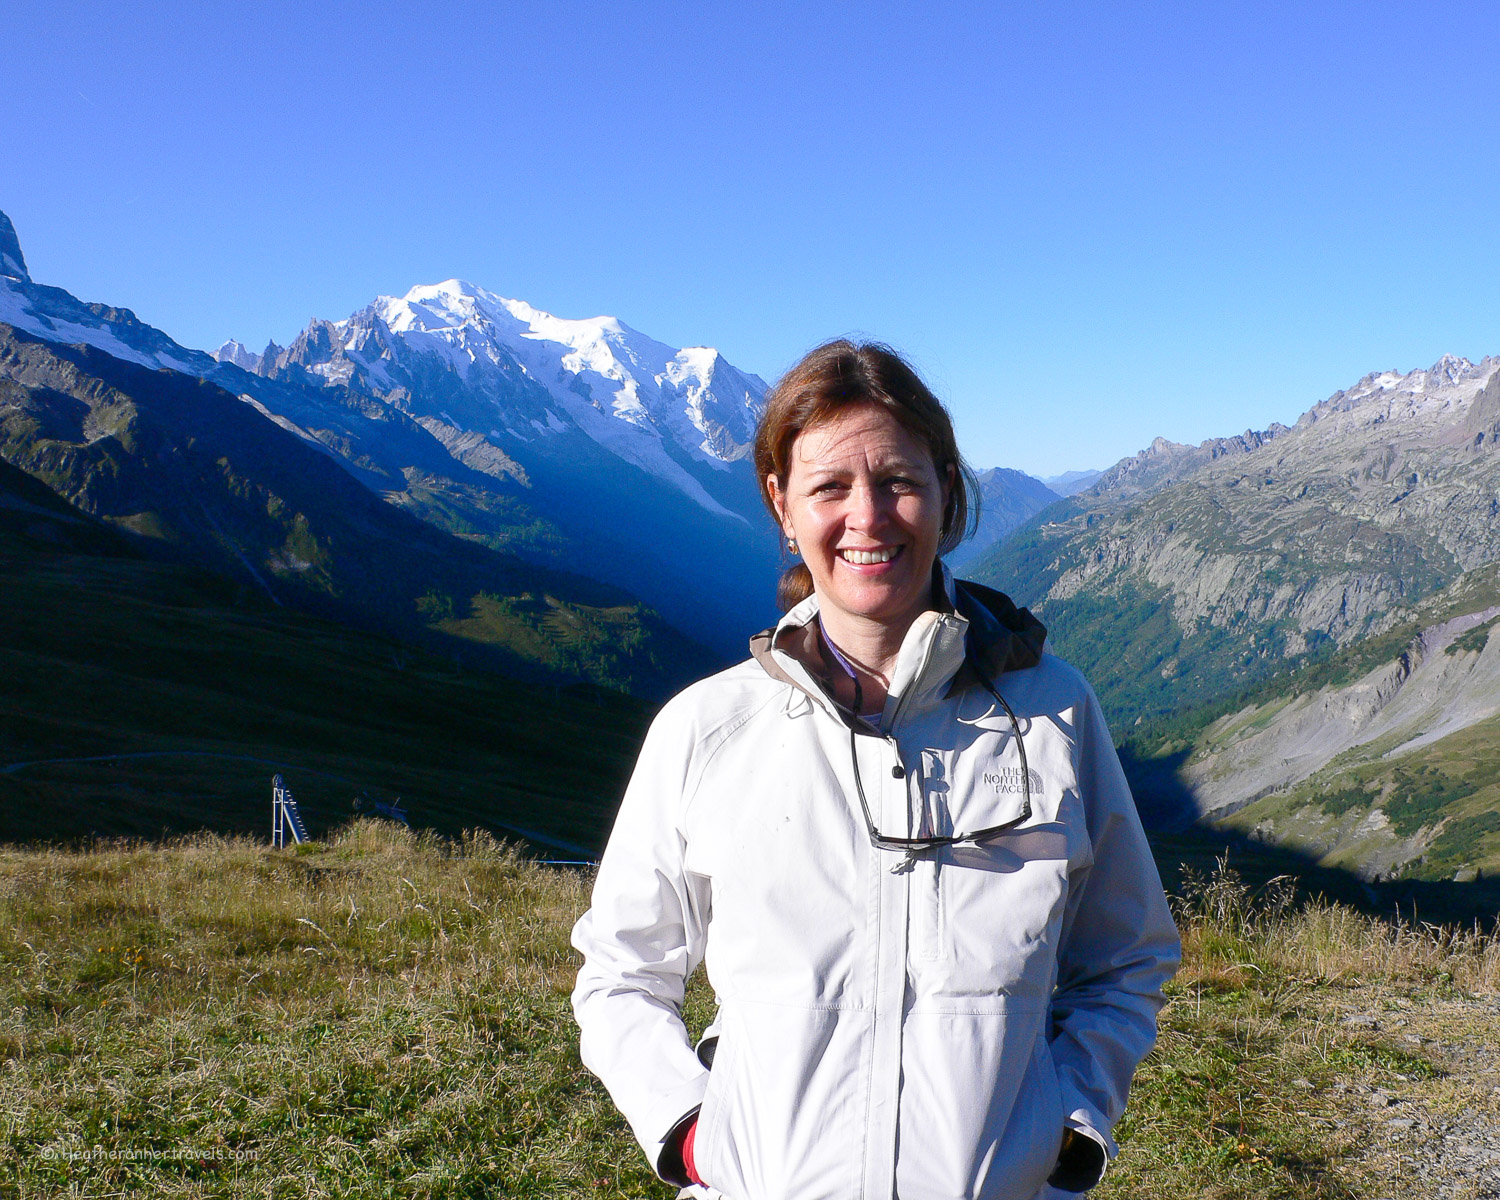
pixel 15 310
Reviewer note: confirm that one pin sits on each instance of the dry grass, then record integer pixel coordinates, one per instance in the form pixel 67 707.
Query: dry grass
pixel 1328 943
pixel 386 1015
pixel 1269 1045
pixel 1333 943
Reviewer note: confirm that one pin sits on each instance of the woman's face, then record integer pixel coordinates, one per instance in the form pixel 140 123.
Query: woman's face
pixel 864 502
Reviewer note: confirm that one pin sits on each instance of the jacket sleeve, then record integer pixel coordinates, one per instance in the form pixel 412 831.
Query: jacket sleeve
pixel 1118 946
pixel 641 938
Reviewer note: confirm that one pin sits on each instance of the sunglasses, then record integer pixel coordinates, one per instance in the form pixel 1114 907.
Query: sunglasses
pixel 913 846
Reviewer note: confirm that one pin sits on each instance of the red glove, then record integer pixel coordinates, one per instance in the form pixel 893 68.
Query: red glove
pixel 687 1153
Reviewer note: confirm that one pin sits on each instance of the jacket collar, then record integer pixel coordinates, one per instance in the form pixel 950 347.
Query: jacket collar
pixel 970 629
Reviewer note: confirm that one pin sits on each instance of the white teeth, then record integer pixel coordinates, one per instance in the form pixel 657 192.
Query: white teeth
pixel 865 558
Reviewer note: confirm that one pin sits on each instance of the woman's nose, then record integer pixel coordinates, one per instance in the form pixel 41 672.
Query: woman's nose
pixel 866 508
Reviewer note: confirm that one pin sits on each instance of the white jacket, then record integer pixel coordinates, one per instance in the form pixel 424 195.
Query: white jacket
pixel 888 1027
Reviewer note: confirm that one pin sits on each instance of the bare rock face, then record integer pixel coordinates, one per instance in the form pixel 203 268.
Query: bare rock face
pixel 1421 696
pixel 1266 545
pixel 12 261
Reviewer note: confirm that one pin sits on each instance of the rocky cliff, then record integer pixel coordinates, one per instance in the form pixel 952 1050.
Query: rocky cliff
pixel 1253 551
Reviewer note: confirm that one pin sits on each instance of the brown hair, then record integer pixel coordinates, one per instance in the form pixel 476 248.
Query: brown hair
pixel 839 375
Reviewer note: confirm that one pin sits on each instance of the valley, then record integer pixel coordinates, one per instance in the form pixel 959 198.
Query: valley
pixel 450 499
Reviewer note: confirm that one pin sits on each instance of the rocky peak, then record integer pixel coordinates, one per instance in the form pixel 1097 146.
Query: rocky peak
pixel 1449 369
pixel 1164 461
pixel 316 343
pixel 235 353
pixel 1386 395
pixel 12 261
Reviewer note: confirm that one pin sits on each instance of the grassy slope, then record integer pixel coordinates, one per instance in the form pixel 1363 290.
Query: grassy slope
pixel 1444 797
pixel 385 1016
pixel 106 653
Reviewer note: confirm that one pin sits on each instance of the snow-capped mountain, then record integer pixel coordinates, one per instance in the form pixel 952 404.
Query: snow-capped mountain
pixel 242 356
pixel 57 316
pixel 455 354
pixel 581 445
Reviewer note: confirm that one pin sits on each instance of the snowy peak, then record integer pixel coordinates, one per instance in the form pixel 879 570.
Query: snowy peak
pixel 1450 383
pixel 235 354
pixel 54 315
pixel 12 261
pixel 470 365
pixel 1449 369
pixel 691 395
pixel 690 401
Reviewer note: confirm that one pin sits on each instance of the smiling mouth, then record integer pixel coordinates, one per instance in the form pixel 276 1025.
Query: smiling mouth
pixel 867 558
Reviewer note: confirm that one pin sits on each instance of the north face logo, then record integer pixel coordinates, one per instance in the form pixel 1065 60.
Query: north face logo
pixel 1007 781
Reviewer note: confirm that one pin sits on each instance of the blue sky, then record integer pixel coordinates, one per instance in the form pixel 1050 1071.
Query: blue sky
pixel 1089 224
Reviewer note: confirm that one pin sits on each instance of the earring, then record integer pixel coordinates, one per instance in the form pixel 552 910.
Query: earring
pixel 791 545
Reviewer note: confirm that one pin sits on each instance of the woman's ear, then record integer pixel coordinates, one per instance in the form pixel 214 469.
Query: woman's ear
pixel 778 502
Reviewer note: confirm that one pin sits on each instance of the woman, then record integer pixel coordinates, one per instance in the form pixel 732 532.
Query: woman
pixel 900 840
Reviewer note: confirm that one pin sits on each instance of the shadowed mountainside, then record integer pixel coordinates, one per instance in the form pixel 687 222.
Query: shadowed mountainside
pixel 140 696
pixel 179 461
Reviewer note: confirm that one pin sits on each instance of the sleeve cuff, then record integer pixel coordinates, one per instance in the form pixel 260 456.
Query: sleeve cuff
pixel 1084 1117
pixel 669 1163
pixel 1081 1160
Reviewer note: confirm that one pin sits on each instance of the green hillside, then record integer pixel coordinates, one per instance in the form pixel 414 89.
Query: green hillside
pixel 139 696
pixel 1381 757
pixel 1439 805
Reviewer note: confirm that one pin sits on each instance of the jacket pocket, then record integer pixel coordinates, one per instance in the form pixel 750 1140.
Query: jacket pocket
pixel 717 1053
pixel 1053 1097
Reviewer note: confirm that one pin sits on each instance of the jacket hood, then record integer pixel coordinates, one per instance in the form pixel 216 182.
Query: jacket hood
pixel 999 636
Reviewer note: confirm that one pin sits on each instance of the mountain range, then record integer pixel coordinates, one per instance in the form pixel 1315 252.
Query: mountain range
pixel 577 443
pixel 133 429
pixel 1264 613
pixel 431 411
pixel 1289 627
pixel 490 486
pixel 1231 559
pixel 580 445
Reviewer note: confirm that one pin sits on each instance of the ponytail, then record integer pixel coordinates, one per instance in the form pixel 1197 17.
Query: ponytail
pixel 795 586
